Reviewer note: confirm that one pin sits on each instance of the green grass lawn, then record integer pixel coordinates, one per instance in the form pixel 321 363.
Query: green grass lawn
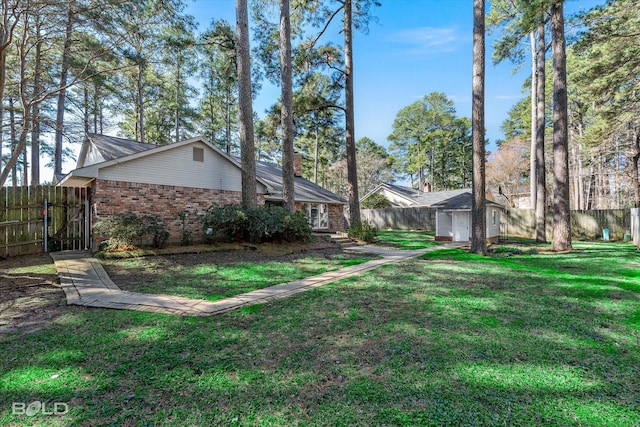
pixel 451 339
pixel 213 281
pixel 407 239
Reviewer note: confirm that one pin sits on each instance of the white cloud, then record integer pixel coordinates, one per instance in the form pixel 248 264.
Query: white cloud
pixel 427 40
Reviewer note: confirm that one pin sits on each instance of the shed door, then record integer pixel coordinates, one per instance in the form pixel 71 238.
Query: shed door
pixel 460 226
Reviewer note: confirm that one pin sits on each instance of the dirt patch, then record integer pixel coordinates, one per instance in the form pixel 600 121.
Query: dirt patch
pixel 30 293
pixel 31 296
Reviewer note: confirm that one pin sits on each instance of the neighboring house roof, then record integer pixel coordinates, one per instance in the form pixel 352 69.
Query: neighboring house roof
pixel 305 190
pixel 101 152
pixel 407 194
pixel 448 199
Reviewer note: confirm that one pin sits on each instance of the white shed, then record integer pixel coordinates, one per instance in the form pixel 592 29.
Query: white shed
pixel 453 219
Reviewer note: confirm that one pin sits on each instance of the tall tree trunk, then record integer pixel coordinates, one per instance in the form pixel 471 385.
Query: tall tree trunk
pixel 4 43
pixel 62 94
pixel 177 113
pixel 86 117
pixel 534 124
pixel 581 201
pixel 317 157
pixel 25 167
pixel 286 113
pixel 227 134
pixel 541 178
pixel 634 173
pixel 6 36
pixel 478 209
pixel 561 208
pixel 37 89
pixel 20 144
pixel 352 171
pixel 14 143
pixel 140 102
pixel 247 146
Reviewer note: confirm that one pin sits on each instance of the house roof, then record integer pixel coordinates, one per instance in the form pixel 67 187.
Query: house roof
pixel 114 150
pixel 305 190
pixel 407 193
pixel 112 147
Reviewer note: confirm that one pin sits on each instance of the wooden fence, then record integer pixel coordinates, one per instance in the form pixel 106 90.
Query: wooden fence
pixel 22 224
pixel 401 218
pixel 635 226
pixel 587 225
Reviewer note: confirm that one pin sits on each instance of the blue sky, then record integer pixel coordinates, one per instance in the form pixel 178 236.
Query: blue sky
pixel 416 47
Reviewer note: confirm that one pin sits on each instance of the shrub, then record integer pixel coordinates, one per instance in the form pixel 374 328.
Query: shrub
pixel 264 224
pixel 123 232
pixel 223 224
pixel 186 233
pixel 376 201
pixel 363 230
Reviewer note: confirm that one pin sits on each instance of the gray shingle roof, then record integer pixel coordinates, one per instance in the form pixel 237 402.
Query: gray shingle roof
pixel 436 198
pixel 305 190
pixel 461 201
pixel 112 147
pixel 402 190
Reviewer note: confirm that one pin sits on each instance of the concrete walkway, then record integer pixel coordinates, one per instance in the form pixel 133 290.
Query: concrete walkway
pixel 86 283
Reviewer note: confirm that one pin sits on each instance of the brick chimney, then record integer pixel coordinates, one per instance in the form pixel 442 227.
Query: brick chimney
pixel 426 188
pixel 297 164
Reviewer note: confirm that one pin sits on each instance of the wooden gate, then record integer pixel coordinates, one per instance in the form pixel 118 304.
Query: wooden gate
pixel 23 229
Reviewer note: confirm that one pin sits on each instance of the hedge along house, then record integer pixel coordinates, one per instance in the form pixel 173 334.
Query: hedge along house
pixel 125 176
pixel 452 209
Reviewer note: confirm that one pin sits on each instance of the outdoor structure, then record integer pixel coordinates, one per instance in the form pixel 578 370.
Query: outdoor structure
pixel 192 175
pixel 453 218
pixel 452 210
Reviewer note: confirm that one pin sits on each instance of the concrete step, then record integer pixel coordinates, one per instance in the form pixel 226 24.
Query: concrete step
pixel 339 239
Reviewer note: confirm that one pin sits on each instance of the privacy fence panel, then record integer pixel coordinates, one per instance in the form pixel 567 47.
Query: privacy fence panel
pixel 22 219
pixel 585 224
pixel 401 218
pixel 635 226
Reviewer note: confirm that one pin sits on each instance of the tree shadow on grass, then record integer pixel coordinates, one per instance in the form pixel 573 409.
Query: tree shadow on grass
pixel 416 343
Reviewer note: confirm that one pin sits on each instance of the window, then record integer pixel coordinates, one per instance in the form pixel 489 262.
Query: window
pixel 494 217
pixel 317 215
pixel 198 154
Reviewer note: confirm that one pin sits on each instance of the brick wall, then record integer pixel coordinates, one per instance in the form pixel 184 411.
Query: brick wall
pixel 165 201
pixel 336 217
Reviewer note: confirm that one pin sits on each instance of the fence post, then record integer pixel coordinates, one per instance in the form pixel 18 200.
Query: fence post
pixel 87 225
pixel 45 211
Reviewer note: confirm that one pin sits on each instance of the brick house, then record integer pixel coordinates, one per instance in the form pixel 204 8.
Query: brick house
pixel 128 176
